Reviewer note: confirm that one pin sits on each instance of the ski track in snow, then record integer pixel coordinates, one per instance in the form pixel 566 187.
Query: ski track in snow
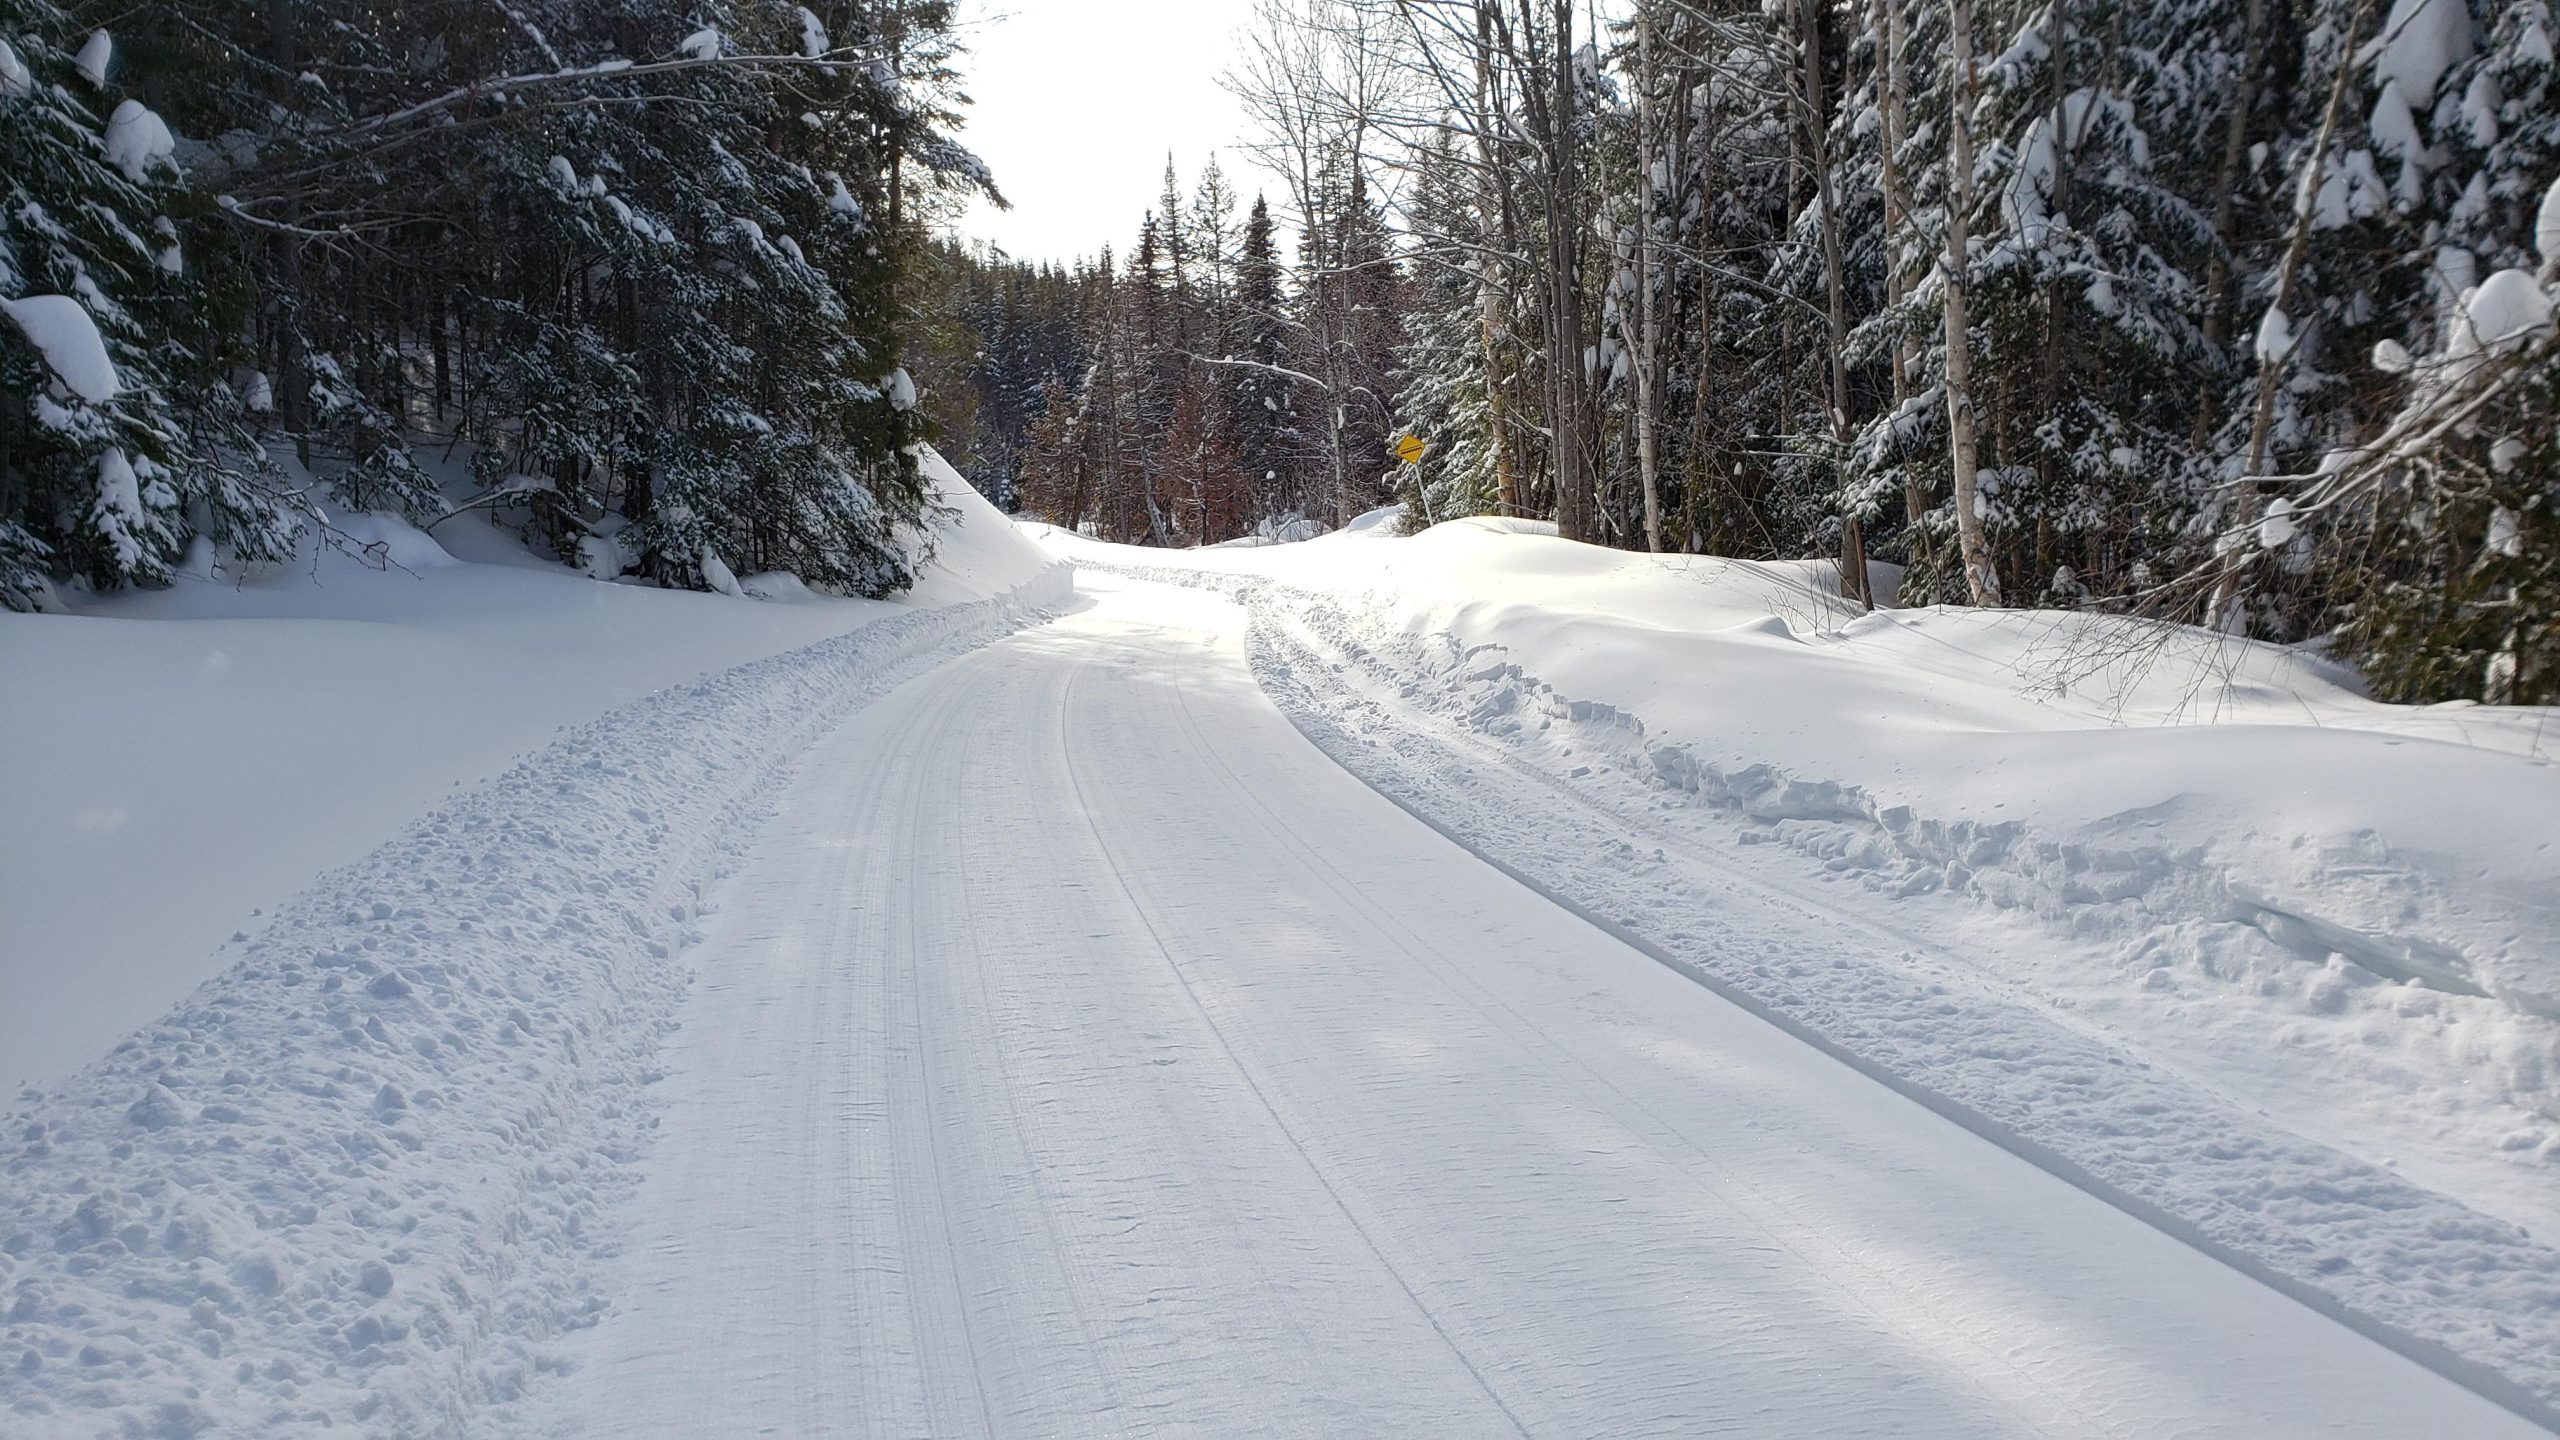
pixel 1618 840
pixel 354 1180
pixel 1081 1052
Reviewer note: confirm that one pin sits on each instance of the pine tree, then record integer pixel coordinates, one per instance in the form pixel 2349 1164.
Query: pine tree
pixel 1269 433
pixel 669 323
pixel 1213 244
pixel 117 437
pixel 2088 293
pixel 1448 395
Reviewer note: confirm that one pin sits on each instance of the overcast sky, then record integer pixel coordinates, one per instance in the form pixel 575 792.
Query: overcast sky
pixel 1077 103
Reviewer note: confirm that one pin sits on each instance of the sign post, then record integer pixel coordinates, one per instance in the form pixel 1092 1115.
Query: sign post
pixel 1410 449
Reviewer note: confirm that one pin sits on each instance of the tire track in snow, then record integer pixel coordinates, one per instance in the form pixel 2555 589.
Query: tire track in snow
pixel 1553 1055
pixel 1279 1121
pixel 1414 772
pixel 1141 925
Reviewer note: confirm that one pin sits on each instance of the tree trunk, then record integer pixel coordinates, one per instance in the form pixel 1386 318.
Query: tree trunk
pixel 1702 467
pixel 1648 342
pixel 2050 388
pixel 1982 582
pixel 1894 92
pixel 2235 150
pixel 1574 489
pixel 1853 549
pixel 2222 610
pixel 1491 311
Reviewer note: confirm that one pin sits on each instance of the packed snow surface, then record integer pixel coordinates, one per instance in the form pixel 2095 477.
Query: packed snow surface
pixel 1081 1052
pixel 1471 983
pixel 2265 960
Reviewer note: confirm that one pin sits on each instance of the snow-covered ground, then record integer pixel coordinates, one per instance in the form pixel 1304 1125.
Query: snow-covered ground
pixel 180 759
pixel 1923 1023
pixel 349 1180
pixel 1083 1053
pixel 2271 963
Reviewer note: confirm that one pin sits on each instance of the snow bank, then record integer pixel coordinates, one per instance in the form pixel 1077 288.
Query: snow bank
pixel 2270 963
pixel 346 1182
pixel 181 758
pixel 977 551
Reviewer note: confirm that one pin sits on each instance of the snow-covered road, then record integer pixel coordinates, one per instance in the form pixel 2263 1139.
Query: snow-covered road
pixel 1080 1050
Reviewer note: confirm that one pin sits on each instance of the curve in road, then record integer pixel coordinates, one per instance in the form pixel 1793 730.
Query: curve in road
pixel 1080 1051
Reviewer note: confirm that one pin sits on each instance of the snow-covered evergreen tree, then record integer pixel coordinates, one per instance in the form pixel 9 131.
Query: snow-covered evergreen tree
pixel 117 446
pixel 1447 399
pixel 667 317
pixel 2087 291
pixel 1270 434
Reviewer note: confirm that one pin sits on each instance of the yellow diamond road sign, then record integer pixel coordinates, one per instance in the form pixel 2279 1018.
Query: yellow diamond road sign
pixel 1410 448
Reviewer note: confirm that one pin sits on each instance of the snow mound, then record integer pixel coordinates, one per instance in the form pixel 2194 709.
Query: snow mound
pixel 138 139
pixel 975 548
pixel 717 575
pixel 1494 525
pixel 68 339
pixel 387 542
pixel 780 587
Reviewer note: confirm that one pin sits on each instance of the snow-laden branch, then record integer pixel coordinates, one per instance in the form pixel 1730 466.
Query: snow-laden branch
pixel 235 208
pixel 581 74
pixel 1298 375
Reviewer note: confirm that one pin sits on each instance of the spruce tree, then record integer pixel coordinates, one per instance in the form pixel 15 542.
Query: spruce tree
pixel 1269 433
pixel 119 441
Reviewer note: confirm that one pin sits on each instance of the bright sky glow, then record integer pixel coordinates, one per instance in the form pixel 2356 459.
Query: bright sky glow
pixel 1077 102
